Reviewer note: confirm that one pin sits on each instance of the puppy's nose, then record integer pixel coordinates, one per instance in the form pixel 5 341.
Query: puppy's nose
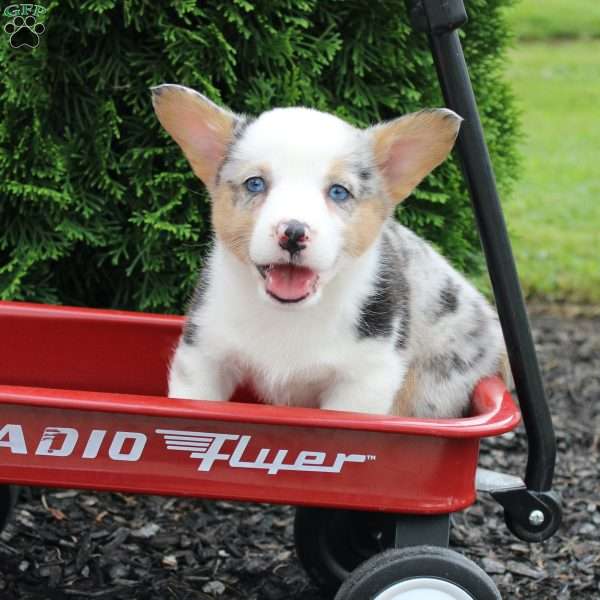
pixel 292 235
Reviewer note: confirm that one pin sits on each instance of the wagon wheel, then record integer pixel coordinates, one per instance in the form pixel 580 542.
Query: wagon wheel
pixel 331 543
pixel 419 573
pixel 8 499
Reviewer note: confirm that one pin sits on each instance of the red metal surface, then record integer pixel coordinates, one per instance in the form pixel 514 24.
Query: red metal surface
pixel 85 349
pixel 82 405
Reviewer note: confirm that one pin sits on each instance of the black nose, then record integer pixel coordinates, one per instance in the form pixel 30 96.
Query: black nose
pixel 292 236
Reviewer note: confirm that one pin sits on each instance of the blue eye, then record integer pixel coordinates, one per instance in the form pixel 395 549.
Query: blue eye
pixel 255 185
pixel 338 193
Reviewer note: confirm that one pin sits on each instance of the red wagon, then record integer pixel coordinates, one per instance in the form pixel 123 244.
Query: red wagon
pixel 82 404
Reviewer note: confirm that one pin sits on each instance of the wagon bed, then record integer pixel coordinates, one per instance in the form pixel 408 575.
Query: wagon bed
pixel 83 404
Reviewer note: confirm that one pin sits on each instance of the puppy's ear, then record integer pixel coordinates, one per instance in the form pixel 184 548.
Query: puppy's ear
pixel 408 148
pixel 202 129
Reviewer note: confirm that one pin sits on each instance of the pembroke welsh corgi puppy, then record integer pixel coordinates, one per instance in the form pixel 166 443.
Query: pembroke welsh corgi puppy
pixel 313 293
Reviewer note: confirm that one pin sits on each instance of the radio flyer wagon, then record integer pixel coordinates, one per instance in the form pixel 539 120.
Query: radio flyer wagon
pixel 83 404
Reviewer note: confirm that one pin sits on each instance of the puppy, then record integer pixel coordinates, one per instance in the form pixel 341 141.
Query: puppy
pixel 313 294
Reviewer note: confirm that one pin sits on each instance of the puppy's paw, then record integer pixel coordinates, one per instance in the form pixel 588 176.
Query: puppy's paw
pixel 185 391
pixel 193 377
pixel 355 398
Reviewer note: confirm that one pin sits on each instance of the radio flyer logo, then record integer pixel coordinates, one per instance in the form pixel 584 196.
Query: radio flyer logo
pixel 208 448
pixel 232 450
pixel 24 28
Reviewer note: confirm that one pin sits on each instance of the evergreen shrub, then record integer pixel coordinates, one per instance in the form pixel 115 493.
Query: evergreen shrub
pixel 98 207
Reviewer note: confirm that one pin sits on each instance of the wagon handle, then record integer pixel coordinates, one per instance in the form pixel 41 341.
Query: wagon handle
pixel 440 19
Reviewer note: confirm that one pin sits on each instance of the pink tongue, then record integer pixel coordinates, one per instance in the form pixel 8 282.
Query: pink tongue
pixel 290 282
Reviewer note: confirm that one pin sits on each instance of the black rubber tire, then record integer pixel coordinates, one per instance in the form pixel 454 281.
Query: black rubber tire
pixel 8 499
pixel 331 543
pixel 393 566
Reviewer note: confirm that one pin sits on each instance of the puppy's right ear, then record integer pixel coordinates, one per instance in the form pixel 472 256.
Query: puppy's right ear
pixel 202 129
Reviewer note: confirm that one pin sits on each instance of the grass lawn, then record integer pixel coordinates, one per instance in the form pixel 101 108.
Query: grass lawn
pixel 543 19
pixel 554 212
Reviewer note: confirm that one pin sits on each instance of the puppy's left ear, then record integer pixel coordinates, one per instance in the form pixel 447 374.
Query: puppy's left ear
pixel 202 129
pixel 408 148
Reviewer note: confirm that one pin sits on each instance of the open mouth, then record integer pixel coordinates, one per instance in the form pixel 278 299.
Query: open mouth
pixel 288 282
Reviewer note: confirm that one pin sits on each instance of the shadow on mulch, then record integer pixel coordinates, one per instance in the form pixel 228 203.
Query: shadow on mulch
pixel 69 544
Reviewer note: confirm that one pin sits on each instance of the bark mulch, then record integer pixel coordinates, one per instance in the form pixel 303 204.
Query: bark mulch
pixel 64 544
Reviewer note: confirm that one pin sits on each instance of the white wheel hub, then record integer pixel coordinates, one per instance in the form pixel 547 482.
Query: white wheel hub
pixel 424 588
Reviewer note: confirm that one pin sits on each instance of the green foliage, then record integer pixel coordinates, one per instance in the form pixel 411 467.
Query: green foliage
pixel 97 205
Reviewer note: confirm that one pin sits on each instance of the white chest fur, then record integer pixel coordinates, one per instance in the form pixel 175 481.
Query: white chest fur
pixel 291 355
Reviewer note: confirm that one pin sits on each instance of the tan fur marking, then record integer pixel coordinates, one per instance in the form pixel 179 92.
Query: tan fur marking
pixel 505 371
pixel 366 219
pixel 337 171
pixel 404 400
pixel 232 224
pixel 365 225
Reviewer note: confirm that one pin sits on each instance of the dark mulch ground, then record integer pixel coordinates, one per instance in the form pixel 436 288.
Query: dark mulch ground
pixel 68 544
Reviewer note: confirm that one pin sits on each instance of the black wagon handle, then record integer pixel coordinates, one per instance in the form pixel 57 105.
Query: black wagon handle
pixel 440 19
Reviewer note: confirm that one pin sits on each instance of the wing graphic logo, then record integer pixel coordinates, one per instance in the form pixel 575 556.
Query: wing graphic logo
pixel 208 448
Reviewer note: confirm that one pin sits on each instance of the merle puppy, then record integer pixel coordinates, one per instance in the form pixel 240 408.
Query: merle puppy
pixel 313 294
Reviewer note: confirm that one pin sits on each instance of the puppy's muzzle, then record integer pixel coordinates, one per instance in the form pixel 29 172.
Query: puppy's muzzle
pixel 293 236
